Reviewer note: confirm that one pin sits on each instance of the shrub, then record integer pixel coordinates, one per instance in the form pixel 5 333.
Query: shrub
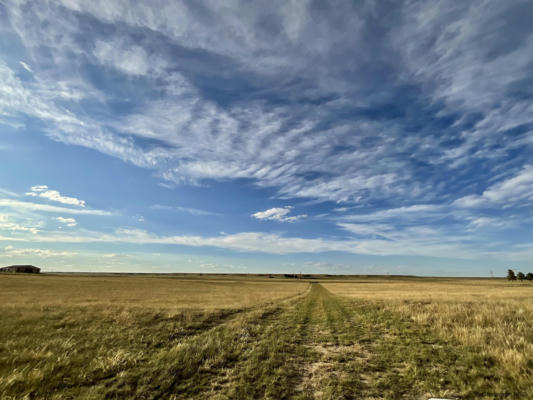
pixel 520 276
pixel 529 276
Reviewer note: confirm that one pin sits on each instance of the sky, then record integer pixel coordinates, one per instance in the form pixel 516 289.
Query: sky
pixel 362 137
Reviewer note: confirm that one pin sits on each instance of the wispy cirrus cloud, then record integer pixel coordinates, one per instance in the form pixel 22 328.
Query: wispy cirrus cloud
pixel 279 214
pixel 131 60
pixel 414 212
pixel 347 129
pixel 188 210
pixel 517 189
pixel 375 230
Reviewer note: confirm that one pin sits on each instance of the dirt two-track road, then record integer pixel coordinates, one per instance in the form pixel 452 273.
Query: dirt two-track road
pixel 321 346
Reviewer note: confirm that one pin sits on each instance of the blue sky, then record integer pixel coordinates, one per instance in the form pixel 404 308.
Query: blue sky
pixel 347 137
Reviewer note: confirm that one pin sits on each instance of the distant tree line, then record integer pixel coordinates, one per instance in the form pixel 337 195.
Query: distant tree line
pixel 519 276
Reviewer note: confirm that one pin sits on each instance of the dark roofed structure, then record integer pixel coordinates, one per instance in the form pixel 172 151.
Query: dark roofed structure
pixel 28 269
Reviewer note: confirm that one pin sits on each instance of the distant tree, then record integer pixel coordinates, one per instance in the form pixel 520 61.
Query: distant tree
pixel 510 275
pixel 529 276
pixel 520 276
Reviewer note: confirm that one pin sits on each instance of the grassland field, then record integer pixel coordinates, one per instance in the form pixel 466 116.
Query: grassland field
pixel 254 337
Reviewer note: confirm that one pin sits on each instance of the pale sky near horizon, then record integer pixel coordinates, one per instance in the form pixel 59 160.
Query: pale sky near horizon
pixel 281 136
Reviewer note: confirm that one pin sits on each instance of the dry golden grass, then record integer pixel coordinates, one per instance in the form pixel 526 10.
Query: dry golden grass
pixel 494 316
pixel 82 337
pixel 204 293
pixel 236 337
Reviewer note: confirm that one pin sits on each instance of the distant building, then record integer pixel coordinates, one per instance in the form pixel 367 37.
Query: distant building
pixel 27 269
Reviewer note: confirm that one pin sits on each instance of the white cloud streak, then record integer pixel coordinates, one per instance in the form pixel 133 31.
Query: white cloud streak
pixel 70 222
pixel 26 66
pixel 188 210
pixel 25 205
pixel 407 213
pixel 53 195
pixel 10 251
pixel 509 192
pixel 261 242
pixel 279 214
pixel 132 60
pixel 6 224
